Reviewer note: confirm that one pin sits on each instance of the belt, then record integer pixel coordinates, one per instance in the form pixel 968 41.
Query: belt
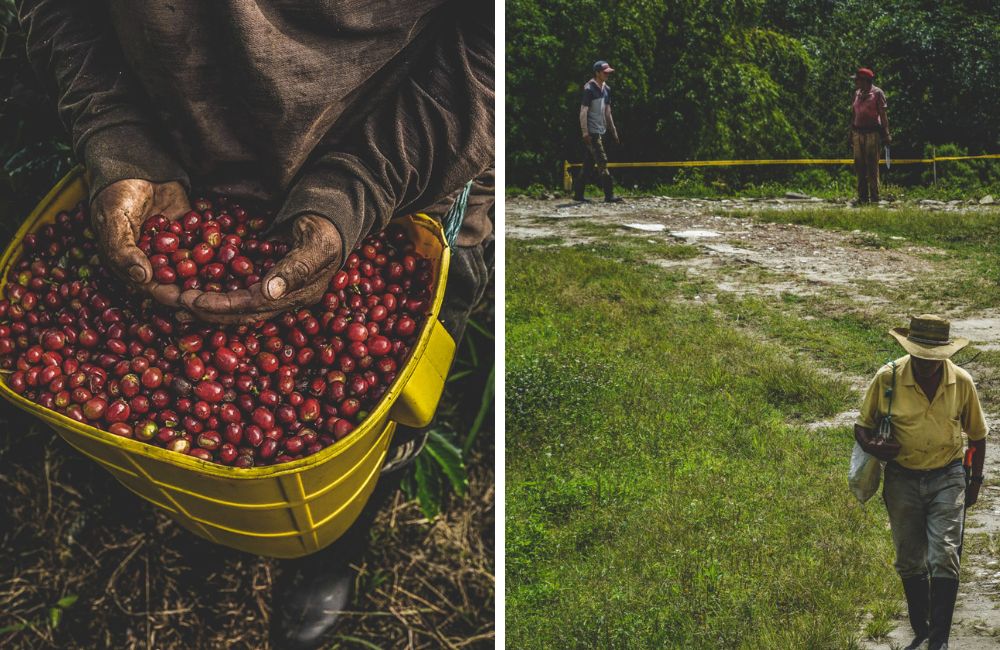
pixel 922 473
pixel 867 129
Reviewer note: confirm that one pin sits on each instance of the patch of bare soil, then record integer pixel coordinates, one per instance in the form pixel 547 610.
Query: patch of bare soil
pixel 810 259
pixel 141 581
pixel 746 257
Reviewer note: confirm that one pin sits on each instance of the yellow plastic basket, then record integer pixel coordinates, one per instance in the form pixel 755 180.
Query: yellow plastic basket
pixel 286 510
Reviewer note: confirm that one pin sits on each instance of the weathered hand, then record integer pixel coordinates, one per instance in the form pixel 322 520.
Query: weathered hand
pixel 586 139
pixel 117 214
pixel 972 493
pixel 884 450
pixel 297 280
pixel 887 138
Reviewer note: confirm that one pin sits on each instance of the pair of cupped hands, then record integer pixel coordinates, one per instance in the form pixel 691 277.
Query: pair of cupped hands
pixel 299 279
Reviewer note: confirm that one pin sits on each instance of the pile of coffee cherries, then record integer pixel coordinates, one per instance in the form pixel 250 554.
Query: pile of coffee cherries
pixel 208 252
pixel 75 339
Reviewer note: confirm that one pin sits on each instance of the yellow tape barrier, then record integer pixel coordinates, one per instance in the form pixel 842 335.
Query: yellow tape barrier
pixel 568 180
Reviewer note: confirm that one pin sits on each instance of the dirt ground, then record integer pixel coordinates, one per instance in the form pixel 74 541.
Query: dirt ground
pixel 745 256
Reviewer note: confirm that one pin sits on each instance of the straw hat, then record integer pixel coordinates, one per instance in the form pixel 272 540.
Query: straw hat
pixel 928 337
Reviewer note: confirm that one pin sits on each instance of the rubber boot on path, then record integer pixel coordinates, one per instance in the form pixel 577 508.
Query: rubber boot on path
pixel 579 184
pixel 863 198
pixel 943 594
pixel 918 595
pixel 609 190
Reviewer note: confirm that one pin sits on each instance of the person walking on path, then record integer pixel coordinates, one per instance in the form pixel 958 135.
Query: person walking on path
pixel 933 402
pixel 595 123
pixel 337 115
pixel 869 121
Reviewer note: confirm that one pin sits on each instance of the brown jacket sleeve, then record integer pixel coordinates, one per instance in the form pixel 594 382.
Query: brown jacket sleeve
pixel 72 45
pixel 424 141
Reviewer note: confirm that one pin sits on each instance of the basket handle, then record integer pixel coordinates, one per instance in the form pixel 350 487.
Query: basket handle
pixel 419 400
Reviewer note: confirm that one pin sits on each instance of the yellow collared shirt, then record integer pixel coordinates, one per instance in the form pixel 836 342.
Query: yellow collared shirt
pixel 930 432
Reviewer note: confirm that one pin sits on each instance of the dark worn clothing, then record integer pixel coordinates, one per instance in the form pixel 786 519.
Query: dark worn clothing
pixel 925 513
pixel 866 146
pixel 595 157
pixel 357 110
pixel 595 97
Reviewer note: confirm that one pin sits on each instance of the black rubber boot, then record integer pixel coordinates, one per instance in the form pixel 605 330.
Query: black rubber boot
pixel 943 594
pixel 918 600
pixel 308 601
pixel 579 184
pixel 312 592
pixel 609 190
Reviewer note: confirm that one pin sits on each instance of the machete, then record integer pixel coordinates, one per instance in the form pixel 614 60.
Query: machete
pixel 967 466
pixel 888 158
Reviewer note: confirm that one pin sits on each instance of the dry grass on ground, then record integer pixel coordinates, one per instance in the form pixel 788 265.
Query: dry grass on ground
pixel 142 582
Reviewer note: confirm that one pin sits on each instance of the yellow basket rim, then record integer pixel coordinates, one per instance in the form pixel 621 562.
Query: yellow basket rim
pixel 206 467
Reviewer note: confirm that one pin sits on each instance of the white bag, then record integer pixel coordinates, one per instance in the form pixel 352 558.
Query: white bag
pixel 865 474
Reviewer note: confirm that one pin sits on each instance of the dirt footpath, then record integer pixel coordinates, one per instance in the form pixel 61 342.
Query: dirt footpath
pixel 739 255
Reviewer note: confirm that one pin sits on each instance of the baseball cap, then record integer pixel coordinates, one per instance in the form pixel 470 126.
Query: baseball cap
pixel 864 73
pixel 602 66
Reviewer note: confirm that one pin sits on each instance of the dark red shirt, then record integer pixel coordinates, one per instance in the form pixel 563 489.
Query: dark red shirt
pixel 866 106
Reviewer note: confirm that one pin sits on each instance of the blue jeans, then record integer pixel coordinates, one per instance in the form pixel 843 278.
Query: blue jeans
pixel 925 513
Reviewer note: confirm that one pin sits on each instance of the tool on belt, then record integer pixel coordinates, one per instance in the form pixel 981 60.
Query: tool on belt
pixel 967 466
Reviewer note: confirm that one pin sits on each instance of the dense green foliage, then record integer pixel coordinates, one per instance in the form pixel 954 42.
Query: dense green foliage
pixel 748 78
pixel 35 148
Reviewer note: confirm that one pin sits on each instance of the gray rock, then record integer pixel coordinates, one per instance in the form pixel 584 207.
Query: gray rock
pixel 987 200
pixel 797 196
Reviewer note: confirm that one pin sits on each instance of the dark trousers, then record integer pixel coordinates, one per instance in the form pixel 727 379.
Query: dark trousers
pixel 925 514
pixel 866 146
pixel 595 158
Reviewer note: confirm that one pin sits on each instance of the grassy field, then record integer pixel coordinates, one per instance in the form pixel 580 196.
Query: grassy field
pixel 662 489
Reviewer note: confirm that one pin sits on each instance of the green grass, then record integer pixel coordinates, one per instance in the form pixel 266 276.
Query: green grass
pixel 951 230
pixel 659 492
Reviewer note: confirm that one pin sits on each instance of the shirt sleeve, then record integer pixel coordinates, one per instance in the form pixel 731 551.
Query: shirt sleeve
pixel 973 421
pixel 74 50
pixel 607 100
pixel 868 416
pixel 586 96
pixel 425 140
pixel 880 100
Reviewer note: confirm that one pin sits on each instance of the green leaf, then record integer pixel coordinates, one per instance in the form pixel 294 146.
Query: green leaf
pixel 485 404
pixel 67 601
pixel 473 354
pixel 17 627
pixel 449 458
pixel 479 328
pixel 55 616
pixel 455 376
pixel 428 487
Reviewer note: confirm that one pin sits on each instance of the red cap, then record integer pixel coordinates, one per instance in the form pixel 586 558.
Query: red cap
pixel 864 73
